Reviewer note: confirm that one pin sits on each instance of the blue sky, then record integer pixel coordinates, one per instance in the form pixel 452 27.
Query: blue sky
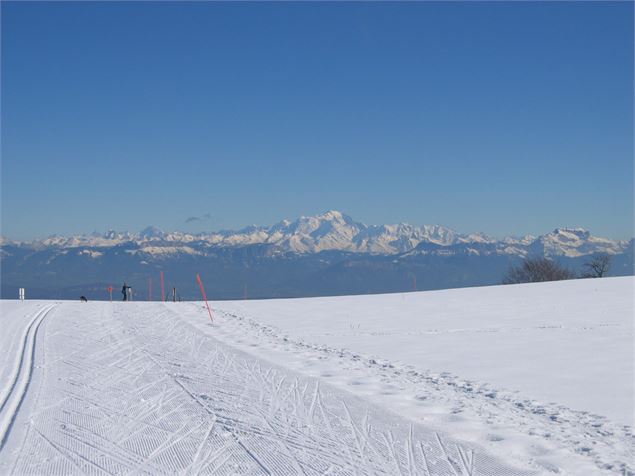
pixel 506 118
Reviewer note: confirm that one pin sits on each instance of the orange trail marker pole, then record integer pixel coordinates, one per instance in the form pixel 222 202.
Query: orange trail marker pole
pixel 162 288
pixel 200 283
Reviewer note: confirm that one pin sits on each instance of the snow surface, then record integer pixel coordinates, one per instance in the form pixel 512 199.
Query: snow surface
pixel 334 230
pixel 390 384
pixel 509 336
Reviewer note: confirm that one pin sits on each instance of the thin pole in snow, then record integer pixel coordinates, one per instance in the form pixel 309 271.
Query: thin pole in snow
pixel 150 288
pixel 162 288
pixel 200 283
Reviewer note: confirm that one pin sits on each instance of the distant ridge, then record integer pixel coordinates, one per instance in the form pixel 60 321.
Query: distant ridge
pixel 327 254
pixel 335 231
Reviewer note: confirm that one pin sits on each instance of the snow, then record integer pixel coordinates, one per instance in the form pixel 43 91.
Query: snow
pixel 573 242
pixel 91 253
pixel 549 359
pixel 524 379
pixel 169 250
pixel 504 335
pixel 334 230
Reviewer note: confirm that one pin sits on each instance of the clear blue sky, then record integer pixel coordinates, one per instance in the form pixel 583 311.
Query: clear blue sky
pixel 506 118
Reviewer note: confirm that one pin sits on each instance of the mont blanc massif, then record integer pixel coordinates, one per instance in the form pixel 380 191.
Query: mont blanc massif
pixel 328 254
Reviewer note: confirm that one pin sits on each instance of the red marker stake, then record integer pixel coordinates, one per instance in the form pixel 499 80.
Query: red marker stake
pixel 200 283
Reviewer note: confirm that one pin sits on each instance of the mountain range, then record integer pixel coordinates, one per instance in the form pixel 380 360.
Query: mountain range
pixel 316 255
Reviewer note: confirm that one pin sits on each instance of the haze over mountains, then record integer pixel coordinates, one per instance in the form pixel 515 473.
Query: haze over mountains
pixel 325 254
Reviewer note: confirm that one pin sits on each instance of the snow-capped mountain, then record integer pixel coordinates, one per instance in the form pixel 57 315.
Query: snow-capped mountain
pixel 335 231
pixel 574 242
pixel 327 254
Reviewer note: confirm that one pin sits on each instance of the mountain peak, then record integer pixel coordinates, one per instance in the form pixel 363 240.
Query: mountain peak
pixel 331 214
pixel 333 230
pixel 151 232
pixel 337 217
pixel 574 242
pixel 570 233
pixel 576 230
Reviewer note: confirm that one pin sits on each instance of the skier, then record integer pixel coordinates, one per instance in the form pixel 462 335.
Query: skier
pixel 125 291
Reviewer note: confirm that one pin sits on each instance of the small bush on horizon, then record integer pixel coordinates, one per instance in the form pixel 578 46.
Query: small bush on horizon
pixel 598 267
pixel 536 270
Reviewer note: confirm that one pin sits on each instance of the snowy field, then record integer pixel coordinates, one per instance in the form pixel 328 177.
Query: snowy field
pixel 526 379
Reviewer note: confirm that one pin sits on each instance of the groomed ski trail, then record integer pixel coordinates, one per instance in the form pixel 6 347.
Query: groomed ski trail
pixel 15 388
pixel 134 389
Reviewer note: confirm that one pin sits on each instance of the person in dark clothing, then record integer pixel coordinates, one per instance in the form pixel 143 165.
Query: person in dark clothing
pixel 124 291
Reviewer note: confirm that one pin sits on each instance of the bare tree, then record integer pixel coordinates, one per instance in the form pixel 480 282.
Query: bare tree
pixel 534 270
pixel 598 267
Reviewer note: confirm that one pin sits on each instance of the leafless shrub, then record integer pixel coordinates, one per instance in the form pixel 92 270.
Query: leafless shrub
pixel 534 270
pixel 598 267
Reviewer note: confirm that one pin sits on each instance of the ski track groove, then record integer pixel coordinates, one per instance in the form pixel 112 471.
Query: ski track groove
pixel 149 393
pixel 59 451
pixel 196 457
pixel 572 430
pixel 19 359
pixel 15 392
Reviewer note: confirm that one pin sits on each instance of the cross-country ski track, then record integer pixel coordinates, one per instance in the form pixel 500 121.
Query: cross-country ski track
pixel 14 390
pixel 154 388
